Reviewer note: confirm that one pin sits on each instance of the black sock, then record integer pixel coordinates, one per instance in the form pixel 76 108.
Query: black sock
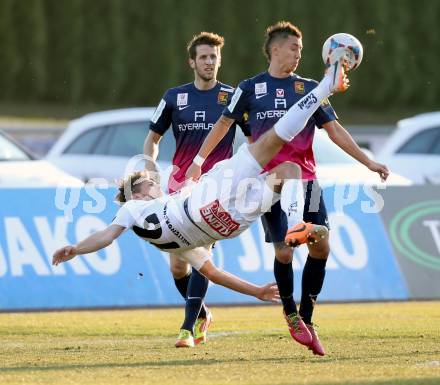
pixel 312 281
pixel 197 287
pixel 182 284
pixel 284 276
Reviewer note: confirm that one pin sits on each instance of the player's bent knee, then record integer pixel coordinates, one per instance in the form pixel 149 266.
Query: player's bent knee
pixel 284 254
pixel 178 268
pixel 320 250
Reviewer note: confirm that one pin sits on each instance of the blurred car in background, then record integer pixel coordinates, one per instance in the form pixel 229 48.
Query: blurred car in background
pixel 334 166
pixel 18 168
pixel 99 145
pixel 413 149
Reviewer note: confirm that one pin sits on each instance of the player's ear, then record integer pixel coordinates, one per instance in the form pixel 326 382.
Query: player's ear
pixel 191 63
pixel 274 48
pixel 219 60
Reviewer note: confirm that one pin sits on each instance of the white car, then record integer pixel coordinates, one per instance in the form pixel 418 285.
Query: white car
pixel 19 169
pixel 99 145
pixel 413 150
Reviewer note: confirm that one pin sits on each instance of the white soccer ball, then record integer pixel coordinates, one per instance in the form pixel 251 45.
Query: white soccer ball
pixel 347 43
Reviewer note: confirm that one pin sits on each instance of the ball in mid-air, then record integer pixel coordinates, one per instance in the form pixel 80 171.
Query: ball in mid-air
pixel 343 43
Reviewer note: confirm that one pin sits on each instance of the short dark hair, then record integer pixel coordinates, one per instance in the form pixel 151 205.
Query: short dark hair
pixel 280 30
pixel 209 38
pixel 129 185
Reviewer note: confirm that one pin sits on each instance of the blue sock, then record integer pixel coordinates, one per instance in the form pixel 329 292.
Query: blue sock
pixel 197 288
pixel 284 276
pixel 182 284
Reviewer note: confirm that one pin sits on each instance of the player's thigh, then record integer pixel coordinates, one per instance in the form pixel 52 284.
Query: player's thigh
pixel 179 267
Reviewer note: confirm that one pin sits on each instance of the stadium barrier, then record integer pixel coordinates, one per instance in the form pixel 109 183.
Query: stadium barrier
pixel 375 256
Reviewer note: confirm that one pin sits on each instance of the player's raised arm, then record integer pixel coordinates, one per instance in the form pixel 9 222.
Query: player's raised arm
pixel 268 292
pixel 94 242
pixel 217 133
pixel 151 151
pixel 340 136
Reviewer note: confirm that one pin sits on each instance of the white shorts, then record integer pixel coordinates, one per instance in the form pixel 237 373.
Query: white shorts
pixel 231 196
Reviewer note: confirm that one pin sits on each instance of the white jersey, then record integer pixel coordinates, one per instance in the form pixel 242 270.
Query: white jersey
pixel 221 205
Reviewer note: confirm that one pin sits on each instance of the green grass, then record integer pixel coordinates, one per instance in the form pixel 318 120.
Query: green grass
pixel 387 343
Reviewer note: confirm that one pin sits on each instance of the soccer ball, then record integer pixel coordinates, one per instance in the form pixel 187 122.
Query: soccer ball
pixel 343 42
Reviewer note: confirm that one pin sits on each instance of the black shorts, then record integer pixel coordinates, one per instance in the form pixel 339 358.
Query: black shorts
pixel 275 221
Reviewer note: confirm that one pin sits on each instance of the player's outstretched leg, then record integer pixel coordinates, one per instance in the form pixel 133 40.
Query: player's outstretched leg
pixel 296 117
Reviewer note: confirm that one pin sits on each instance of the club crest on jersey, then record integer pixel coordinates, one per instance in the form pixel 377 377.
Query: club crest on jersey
pixel 182 99
pixel 222 98
pixel 280 93
pixel 299 87
pixel 218 219
pixel 260 88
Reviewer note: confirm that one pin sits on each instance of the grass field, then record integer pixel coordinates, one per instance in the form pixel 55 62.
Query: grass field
pixel 387 343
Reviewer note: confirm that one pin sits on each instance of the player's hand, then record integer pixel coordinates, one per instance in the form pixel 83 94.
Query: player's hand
pixel 194 171
pixel 381 169
pixel 64 254
pixel 270 293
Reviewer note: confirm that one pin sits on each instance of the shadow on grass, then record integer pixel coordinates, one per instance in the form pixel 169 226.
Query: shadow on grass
pixel 188 362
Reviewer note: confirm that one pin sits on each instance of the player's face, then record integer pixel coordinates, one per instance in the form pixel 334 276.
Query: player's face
pixel 288 53
pixel 206 62
pixel 149 190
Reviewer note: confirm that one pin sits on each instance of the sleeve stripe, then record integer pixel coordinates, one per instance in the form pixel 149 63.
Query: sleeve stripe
pixel 235 99
pixel 158 111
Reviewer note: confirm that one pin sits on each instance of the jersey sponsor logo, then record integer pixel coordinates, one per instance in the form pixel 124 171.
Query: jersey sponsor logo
pixel 218 219
pixel 235 99
pixel 280 103
pixel 299 87
pixel 195 126
pixel 280 93
pixel 183 107
pixel 199 115
pixel 182 99
pixel 270 114
pixel 158 111
pixel 222 98
pixel 307 101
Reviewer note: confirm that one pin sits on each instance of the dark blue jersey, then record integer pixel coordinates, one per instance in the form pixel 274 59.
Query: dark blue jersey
pixel 264 99
pixel 192 113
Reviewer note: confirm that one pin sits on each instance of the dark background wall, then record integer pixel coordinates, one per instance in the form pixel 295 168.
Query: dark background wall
pixel 127 52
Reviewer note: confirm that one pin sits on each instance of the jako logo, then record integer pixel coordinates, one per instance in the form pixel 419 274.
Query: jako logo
pixel 415 232
pixel 307 101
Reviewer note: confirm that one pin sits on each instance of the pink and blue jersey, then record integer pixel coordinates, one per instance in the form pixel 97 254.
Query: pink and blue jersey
pixel 192 113
pixel 264 99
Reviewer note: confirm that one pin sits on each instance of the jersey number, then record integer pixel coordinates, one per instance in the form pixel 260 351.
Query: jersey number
pixel 155 233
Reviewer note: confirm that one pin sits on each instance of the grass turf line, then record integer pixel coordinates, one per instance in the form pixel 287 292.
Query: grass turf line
pixel 386 343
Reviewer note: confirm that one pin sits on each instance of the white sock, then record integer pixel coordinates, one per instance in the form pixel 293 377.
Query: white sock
pixel 292 201
pixel 297 116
